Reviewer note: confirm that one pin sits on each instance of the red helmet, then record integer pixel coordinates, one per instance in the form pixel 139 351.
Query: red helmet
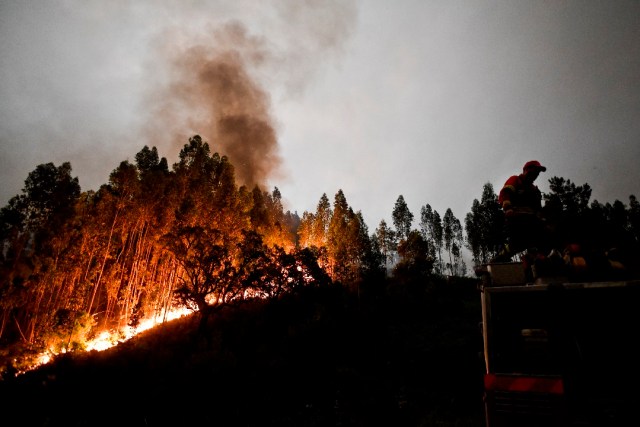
pixel 533 164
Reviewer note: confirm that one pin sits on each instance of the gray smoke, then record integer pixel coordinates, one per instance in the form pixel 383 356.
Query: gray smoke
pixel 219 83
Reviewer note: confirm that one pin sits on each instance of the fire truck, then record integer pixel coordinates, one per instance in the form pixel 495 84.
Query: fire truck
pixel 559 352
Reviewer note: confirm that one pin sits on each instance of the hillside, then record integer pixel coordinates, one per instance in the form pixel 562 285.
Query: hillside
pixel 321 357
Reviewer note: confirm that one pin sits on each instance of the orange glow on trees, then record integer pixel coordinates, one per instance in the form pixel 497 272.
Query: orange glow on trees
pixel 148 242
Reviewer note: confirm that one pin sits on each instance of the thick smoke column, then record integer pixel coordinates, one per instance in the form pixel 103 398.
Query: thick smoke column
pixel 211 93
pixel 214 78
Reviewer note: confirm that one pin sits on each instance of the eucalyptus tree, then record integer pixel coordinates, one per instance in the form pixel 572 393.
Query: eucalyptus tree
pixel 313 230
pixel 155 188
pixel 212 232
pixel 117 216
pixel 372 262
pixel 207 191
pixel 280 233
pixel 269 272
pixel 258 213
pixel 453 241
pixel 37 231
pixel 195 182
pixel 415 264
pixel 567 197
pixel 484 226
pixel 322 218
pixel 51 197
pixel 566 212
pixel 432 231
pixel 269 220
pixel 208 271
pixel 361 257
pixel 142 275
pixel 13 266
pixel 216 275
pixel 338 237
pixel 402 218
pixel 387 243
pixel 148 161
pixel 305 230
pixel 292 222
pixel 13 231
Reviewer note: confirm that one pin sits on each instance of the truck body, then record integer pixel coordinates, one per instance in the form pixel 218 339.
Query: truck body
pixel 559 353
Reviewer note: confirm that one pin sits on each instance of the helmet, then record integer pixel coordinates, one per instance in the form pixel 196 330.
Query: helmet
pixel 535 165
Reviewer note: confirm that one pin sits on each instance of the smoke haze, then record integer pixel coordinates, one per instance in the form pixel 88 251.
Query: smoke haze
pixel 425 99
pixel 92 82
pixel 211 93
pixel 218 81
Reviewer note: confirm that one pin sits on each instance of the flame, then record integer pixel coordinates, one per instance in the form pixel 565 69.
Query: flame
pixel 108 339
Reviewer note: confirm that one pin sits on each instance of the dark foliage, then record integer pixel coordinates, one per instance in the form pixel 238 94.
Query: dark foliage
pixel 316 357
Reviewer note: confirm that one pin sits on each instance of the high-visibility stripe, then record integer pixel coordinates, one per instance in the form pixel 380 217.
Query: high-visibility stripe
pixel 493 382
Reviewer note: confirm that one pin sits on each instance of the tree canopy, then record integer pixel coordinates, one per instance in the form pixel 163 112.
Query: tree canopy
pixel 154 238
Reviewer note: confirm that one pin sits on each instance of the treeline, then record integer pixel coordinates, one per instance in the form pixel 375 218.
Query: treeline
pixel 154 238
pixel 74 262
pixel 572 220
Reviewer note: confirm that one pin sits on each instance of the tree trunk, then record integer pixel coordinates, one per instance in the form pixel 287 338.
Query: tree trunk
pixel 104 262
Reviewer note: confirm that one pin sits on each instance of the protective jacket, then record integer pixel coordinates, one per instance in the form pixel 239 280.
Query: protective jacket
pixel 519 195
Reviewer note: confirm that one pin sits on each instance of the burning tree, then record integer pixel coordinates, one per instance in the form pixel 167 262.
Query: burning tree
pixel 121 254
pixel 339 238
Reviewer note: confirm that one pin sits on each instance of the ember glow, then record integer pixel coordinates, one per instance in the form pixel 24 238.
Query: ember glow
pixel 108 339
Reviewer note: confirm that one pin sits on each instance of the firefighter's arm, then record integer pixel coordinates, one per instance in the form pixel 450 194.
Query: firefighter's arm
pixel 508 210
pixel 505 199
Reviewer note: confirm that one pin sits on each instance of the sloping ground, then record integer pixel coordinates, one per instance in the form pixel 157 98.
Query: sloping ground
pixel 322 357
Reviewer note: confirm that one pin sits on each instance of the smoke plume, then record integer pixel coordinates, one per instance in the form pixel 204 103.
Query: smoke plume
pixel 215 82
pixel 208 91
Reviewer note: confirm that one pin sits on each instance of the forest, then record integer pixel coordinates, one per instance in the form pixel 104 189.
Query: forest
pixel 154 239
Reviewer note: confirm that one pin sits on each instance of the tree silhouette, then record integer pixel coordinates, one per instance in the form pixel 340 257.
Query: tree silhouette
pixel 484 226
pixel 385 238
pixel 415 264
pixel 402 218
pixel 432 231
pixel 453 240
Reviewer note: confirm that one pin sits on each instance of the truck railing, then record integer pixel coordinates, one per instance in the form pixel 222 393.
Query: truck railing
pixel 559 353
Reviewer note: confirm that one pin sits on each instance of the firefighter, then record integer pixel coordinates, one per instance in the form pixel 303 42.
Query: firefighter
pixel 521 202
